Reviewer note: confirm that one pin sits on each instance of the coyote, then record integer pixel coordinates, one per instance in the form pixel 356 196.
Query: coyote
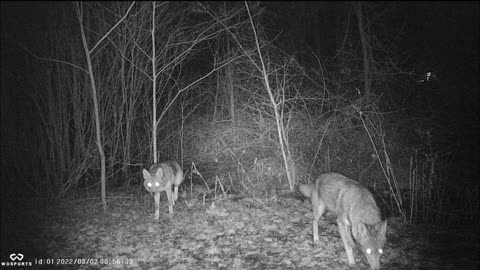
pixel 357 215
pixel 160 177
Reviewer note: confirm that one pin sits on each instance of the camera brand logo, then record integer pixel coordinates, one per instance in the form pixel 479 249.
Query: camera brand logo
pixel 15 257
pixel 16 260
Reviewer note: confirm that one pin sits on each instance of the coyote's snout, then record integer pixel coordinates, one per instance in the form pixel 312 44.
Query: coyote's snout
pixel 357 215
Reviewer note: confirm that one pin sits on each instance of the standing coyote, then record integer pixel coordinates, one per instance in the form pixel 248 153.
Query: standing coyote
pixel 160 177
pixel 356 211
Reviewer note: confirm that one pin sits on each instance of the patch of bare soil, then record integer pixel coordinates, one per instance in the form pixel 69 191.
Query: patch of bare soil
pixel 235 233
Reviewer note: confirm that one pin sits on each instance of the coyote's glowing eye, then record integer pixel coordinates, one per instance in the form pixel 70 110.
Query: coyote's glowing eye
pixel 149 184
pixel 380 251
pixel 369 251
pixel 157 184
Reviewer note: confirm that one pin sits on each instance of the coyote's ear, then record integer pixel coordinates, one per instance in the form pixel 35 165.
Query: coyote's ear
pixel 362 231
pixel 146 174
pixel 381 228
pixel 159 172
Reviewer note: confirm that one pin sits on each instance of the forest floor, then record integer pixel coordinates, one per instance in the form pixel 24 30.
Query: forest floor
pixel 234 233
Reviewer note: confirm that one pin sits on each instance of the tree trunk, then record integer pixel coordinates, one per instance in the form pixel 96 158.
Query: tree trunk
pixel 365 49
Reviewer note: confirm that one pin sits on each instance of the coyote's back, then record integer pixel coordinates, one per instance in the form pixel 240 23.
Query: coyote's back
pixel 357 214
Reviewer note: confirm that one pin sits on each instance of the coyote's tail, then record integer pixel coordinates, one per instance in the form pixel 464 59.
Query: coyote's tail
pixel 306 190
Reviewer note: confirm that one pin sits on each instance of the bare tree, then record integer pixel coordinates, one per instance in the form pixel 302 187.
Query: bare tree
pixel 88 54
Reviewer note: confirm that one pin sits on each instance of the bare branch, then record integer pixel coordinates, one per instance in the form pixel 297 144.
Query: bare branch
pixel 192 84
pixel 49 59
pixel 111 29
